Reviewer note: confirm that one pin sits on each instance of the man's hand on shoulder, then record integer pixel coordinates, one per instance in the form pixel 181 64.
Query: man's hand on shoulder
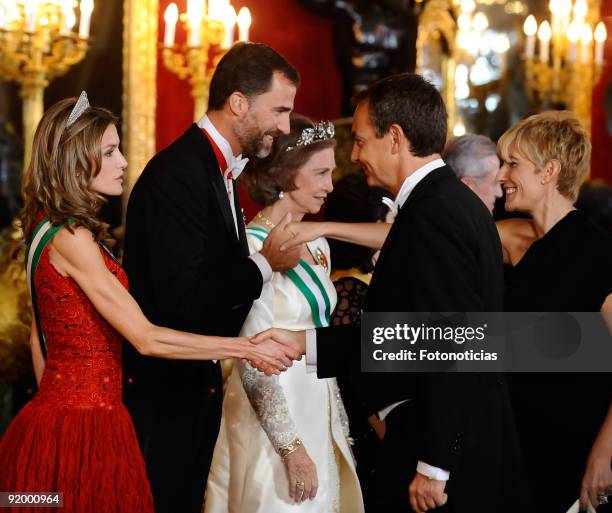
pixel 280 260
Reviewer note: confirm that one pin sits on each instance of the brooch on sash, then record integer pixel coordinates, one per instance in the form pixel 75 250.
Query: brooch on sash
pixel 322 259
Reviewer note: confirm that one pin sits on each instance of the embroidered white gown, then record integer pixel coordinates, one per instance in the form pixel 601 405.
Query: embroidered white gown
pixel 262 413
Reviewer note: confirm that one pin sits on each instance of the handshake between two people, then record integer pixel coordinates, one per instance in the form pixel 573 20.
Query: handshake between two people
pixel 276 349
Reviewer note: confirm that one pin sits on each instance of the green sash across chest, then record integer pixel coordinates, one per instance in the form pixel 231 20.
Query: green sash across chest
pixel 43 233
pixel 308 283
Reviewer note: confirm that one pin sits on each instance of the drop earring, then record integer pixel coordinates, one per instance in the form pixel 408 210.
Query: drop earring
pixel 281 195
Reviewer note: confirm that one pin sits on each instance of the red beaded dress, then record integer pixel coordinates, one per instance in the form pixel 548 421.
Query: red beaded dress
pixel 76 436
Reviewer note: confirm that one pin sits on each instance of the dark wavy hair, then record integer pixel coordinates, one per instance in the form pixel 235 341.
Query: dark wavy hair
pixel 65 160
pixel 265 178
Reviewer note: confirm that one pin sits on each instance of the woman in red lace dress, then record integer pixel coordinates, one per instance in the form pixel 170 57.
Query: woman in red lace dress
pixel 75 436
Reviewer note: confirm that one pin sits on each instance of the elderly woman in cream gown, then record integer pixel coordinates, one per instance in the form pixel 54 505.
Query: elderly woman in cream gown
pixel 283 445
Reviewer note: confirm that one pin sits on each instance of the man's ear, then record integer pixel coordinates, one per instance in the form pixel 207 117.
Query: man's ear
pixel 469 182
pixel 238 103
pixel 397 138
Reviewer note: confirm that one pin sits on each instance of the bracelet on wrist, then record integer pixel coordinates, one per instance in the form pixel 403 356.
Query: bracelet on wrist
pixel 289 448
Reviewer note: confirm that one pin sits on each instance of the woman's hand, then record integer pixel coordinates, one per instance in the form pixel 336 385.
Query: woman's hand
pixel 301 233
pixel 268 356
pixel 302 475
pixel 597 480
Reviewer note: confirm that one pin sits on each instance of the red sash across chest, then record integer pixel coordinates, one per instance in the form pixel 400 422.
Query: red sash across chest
pixel 219 154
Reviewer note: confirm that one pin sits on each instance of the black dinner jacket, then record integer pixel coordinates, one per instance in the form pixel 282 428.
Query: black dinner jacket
pixel 186 266
pixel 442 254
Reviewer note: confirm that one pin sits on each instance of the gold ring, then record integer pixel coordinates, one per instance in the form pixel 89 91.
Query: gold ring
pixel 300 484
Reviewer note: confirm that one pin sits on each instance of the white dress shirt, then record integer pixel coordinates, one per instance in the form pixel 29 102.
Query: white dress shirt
pixel 311 335
pixel 235 166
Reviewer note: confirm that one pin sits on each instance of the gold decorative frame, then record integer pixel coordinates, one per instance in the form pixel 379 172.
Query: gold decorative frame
pixel 435 22
pixel 139 85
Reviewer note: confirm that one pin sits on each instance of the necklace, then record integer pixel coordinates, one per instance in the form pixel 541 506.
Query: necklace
pixel 265 220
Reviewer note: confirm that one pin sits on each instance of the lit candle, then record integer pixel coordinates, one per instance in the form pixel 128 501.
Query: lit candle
pixel 565 10
pixel 581 9
pixel 464 21
pixel 215 9
pixel 229 22
pixel 69 21
pixel 170 17
pixel 85 21
pixel 600 38
pixel 573 35
pixel 30 12
pixel 586 36
pixel 530 27
pixel 244 22
pixel 468 5
pixel 480 22
pixel 554 7
pixel 544 35
pixel 68 17
pixel 194 17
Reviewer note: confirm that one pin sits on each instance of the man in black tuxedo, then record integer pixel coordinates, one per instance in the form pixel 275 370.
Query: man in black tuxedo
pixel 450 441
pixel 189 268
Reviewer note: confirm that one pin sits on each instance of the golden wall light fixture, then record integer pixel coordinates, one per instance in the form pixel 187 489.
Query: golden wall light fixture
pixel 210 30
pixel 569 60
pixel 40 40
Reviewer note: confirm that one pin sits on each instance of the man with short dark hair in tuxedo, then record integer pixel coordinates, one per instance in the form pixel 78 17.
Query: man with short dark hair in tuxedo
pixel 189 268
pixel 450 440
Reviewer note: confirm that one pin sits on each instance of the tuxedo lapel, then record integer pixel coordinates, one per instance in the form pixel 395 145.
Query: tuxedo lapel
pixel 384 274
pixel 242 240
pixel 211 169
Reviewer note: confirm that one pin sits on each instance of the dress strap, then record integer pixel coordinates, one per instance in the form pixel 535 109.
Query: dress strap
pixel 43 233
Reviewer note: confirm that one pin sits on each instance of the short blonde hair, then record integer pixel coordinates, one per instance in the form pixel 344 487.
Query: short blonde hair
pixel 552 135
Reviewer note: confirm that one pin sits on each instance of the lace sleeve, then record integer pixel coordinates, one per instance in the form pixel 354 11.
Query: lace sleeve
pixel 268 400
pixel 265 393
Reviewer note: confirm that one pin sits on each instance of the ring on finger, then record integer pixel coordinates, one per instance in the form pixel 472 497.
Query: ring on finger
pixel 602 499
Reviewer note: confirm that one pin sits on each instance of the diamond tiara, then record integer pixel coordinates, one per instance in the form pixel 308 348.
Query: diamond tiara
pixel 81 106
pixel 319 132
